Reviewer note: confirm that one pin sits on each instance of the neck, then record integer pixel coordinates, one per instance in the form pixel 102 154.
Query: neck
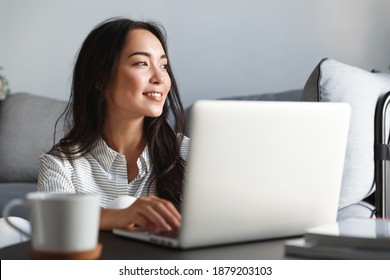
pixel 124 136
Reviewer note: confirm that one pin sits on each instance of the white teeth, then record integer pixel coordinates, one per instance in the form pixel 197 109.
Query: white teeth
pixel 154 94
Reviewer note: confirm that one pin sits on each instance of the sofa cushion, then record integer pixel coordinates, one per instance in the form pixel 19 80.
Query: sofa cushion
pixel 10 191
pixel 332 81
pixel 26 131
pixel 291 95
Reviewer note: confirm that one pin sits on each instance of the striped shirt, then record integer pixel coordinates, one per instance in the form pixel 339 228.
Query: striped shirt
pixel 102 171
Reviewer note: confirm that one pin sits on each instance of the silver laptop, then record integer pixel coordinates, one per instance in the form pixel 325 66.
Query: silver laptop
pixel 259 170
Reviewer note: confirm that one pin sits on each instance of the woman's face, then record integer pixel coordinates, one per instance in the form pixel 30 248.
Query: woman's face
pixel 141 81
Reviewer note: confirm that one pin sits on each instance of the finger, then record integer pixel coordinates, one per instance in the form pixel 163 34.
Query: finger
pixel 168 211
pixel 174 210
pixel 154 214
pixel 140 224
pixel 160 213
pixel 169 206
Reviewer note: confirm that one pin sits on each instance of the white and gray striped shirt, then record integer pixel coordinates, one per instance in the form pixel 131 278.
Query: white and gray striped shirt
pixel 102 171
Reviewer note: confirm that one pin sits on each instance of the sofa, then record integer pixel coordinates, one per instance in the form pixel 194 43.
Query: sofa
pixel 26 131
pixel 27 128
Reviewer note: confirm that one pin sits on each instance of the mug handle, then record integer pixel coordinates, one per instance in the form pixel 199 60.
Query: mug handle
pixel 7 209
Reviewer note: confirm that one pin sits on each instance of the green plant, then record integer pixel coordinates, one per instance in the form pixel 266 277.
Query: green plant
pixel 4 86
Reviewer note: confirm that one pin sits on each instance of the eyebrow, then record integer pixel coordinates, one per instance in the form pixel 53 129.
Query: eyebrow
pixel 145 54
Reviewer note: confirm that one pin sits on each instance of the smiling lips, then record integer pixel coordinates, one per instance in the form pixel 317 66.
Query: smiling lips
pixel 153 94
pixel 157 96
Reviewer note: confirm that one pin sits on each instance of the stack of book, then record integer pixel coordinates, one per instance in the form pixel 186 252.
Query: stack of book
pixel 356 238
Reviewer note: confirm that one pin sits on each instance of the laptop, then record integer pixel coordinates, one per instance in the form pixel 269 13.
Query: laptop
pixel 258 170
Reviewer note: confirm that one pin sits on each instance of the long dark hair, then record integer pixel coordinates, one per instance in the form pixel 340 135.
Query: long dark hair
pixel 85 113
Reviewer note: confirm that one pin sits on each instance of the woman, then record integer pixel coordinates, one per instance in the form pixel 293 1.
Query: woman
pixel 118 141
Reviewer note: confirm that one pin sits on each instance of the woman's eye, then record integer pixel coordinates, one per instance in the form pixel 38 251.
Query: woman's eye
pixel 141 63
pixel 164 66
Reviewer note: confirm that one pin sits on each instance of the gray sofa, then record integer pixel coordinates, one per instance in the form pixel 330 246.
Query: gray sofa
pixel 27 130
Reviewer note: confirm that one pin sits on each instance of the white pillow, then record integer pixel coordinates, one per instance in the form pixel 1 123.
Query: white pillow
pixel 332 81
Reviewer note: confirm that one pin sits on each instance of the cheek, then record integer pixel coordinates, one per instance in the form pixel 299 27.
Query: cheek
pixel 133 82
pixel 129 79
pixel 168 84
pixel 124 89
pixel 135 88
pixel 124 82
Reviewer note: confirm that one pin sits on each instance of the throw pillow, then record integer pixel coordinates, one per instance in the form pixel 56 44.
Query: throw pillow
pixel 332 81
pixel 26 128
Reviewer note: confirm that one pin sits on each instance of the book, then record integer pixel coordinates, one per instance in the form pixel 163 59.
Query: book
pixel 355 238
pixel 373 234
pixel 303 249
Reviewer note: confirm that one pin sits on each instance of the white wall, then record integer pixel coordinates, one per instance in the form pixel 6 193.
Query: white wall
pixel 217 47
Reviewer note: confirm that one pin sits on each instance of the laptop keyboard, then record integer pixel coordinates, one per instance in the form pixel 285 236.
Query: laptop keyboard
pixel 170 234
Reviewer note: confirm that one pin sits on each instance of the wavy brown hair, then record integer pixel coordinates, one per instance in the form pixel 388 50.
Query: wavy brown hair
pixel 85 113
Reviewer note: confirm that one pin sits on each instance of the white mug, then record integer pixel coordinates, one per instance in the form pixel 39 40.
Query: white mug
pixel 60 222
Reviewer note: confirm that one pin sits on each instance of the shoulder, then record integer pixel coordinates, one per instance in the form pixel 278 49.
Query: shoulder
pixel 186 142
pixel 53 163
pixel 60 161
pixel 55 174
pixel 49 159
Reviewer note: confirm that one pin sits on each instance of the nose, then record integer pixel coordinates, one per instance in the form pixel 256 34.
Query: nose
pixel 157 77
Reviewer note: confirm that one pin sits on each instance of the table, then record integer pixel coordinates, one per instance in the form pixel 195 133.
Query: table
pixel 122 248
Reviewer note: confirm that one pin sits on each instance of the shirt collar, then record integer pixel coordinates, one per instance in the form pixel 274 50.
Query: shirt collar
pixel 106 156
pixel 143 162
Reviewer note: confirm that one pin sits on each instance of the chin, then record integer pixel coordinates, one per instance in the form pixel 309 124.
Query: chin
pixel 154 113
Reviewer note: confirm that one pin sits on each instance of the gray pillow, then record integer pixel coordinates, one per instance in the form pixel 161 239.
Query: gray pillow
pixel 26 131
pixel 332 81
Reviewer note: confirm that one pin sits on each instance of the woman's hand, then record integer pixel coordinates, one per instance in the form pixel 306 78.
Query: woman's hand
pixel 146 213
